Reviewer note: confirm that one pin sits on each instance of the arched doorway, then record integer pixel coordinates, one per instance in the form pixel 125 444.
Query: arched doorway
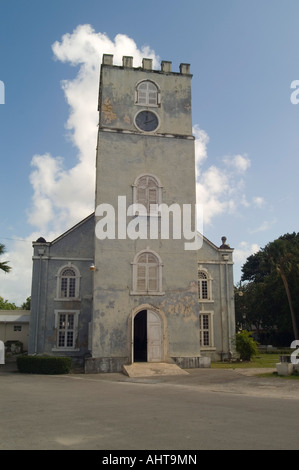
pixel 147 337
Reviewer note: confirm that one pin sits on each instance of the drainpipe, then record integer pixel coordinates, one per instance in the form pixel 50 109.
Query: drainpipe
pixel 40 252
pixel 226 259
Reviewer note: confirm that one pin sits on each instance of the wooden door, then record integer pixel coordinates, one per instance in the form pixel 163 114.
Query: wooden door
pixel 154 337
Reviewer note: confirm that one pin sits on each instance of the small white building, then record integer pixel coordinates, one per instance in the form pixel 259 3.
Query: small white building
pixel 14 326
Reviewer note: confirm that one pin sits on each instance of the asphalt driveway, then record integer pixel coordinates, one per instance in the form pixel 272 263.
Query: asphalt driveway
pixel 204 410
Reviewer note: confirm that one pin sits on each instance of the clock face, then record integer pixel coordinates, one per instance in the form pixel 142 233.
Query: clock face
pixel 147 121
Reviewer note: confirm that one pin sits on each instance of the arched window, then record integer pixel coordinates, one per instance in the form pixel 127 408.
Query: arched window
pixel 68 283
pixel 147 94
pixel 204 287
pixel 147 273
pixel 147 191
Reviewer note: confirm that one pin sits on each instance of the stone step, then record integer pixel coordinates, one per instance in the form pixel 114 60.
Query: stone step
pixel 150 369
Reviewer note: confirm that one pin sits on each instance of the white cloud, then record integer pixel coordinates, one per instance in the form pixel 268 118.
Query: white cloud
pixel 266 225
pixel 239 163
pixel 201 142
pixel 244 250
pixel 219 188
pixel 259 201
pixel 63 196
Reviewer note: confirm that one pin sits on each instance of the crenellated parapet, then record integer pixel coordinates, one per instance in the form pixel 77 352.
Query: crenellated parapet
pixel 147 64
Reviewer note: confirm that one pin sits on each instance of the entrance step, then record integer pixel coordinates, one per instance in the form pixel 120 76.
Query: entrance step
pixel 150 369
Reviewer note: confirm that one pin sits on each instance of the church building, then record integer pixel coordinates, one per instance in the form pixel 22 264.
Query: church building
pixel 135 281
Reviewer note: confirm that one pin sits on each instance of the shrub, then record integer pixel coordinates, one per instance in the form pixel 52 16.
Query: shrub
pixel 44 364
pixel 246 346
pixel 14 347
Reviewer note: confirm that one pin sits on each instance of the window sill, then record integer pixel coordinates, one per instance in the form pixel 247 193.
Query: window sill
pixel 65 349
pixel 147 105
pixel 146 293
pixel 67 299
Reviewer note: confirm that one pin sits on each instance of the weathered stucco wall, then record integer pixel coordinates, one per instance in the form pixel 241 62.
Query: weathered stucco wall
pixel 107 301
pixel 75 248
pixel 123 154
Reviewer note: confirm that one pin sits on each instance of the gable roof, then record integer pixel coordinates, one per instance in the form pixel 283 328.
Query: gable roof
pixel 65 234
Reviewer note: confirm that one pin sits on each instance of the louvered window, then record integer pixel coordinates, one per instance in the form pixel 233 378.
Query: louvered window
pixel 147 94
pixel 147 192
pixel 147 273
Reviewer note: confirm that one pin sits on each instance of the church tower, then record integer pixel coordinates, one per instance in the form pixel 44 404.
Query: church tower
pixel 145 295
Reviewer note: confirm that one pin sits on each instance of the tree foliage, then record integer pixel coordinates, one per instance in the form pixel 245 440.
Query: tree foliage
pixel 4 264
pixel 270 298
pixel 27 304
pixel 5 305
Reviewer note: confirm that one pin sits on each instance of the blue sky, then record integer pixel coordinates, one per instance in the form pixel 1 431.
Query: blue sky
pixel 244 55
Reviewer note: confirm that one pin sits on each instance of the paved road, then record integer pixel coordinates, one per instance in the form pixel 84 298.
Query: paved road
pixel 208 409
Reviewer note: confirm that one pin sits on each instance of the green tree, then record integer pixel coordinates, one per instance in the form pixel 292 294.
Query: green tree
pixel 272 275
pixel 5 305
pixel 282 257
pixel 3 264
pixel 26 305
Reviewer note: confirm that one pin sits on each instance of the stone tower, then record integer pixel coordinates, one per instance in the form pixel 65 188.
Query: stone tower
pixel 145 296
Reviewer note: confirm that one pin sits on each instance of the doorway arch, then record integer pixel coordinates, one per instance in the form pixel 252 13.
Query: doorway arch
pixel 147 336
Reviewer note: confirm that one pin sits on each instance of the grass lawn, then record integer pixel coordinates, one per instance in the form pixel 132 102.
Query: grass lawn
pixel 262 360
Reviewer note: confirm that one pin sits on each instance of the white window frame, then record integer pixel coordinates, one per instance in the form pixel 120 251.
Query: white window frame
pixel 148 210
pixel 146 102
pixel 135 265
pixel 77 283
pixel 208 281
pixel 57 314
pixel 209 330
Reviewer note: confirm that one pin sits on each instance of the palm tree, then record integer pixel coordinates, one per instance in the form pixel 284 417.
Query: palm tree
pixel 280 257
pixel 3 264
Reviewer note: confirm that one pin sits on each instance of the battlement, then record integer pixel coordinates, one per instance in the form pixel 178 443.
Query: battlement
pixel 147 64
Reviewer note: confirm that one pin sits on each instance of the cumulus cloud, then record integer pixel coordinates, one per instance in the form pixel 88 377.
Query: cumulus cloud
pixel 239 163
pixel 243 250
pixel 201 142
pixel 62 197
pixel 219 188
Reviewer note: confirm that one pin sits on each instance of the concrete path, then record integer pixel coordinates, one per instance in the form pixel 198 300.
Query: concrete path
pixel 153 369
